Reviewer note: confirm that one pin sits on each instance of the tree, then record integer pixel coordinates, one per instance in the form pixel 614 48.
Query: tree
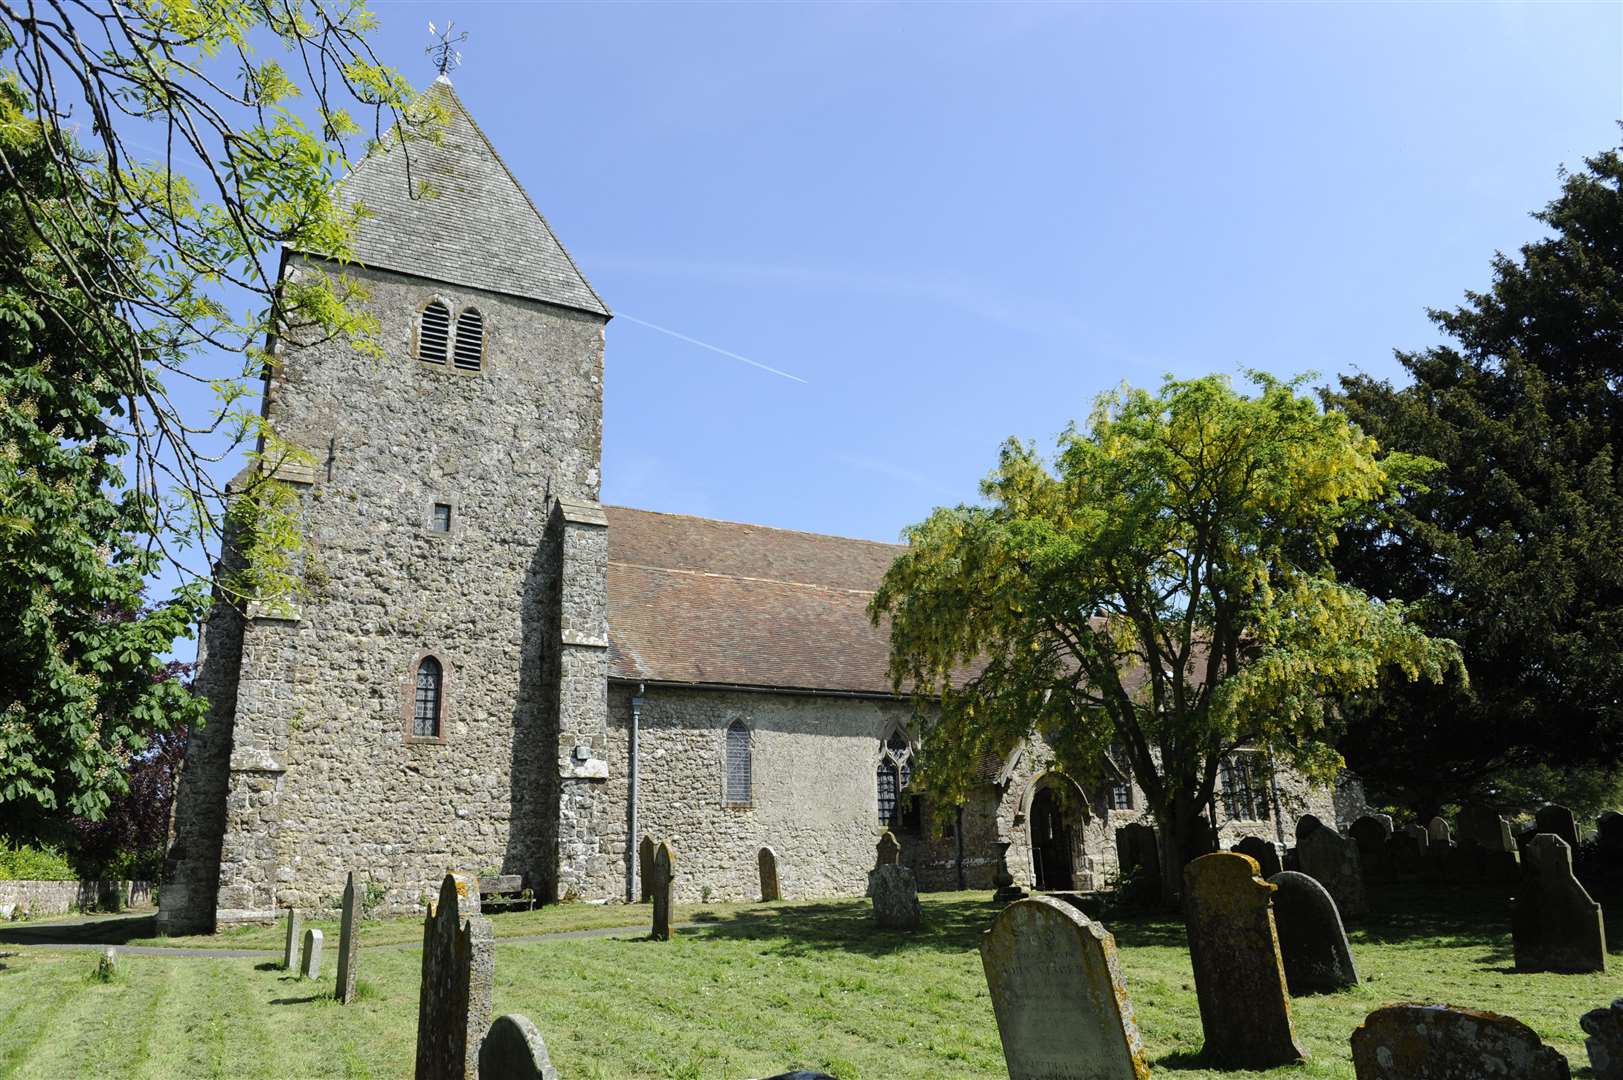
pixel 1165 586
pixel 1514 548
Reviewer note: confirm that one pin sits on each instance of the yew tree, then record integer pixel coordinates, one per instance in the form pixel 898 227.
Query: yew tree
pixel 1163 585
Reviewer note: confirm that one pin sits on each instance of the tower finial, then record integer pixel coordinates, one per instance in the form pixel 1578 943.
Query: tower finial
pixel 444 51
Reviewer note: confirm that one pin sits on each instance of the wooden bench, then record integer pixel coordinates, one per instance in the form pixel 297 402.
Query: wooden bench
pixel 505 892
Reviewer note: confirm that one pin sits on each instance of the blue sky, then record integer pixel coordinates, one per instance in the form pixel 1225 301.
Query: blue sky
pixel 961 223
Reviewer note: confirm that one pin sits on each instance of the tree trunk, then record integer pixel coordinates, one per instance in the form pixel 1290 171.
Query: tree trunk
pixel 1180 827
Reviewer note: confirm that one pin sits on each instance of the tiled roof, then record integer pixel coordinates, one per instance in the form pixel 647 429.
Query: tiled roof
pixel 693 600
pixel 478 229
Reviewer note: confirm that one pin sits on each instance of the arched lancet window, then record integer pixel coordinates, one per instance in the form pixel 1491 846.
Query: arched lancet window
pixel 426 711
pixel 434 333
pixel 469 353
pixel 739 779
pixel 894 771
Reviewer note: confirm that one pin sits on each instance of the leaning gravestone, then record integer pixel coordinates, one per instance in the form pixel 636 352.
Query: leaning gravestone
pixel 1554 925
pixel 895 898
pixel 768 860
pixel 514 1050
pixel 1245 1009
pixel 1440 1042
pixel 290 953
pixel 645 869
pixel 664 882
pixel 1312 941
pixel 1557 819
pixel 887 852
pixel 1605 1043
pixel 1056 985
pixel 1264 851
pixel 1332 860
pixel 349 946
pixel 310 962
pixel 453 1001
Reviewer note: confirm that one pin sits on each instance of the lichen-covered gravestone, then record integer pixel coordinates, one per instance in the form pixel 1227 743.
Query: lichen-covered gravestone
pixel 664 877
pixel 1554 925
pixel 467 893
pixel 1264 851
pixel 310 962
pixel 1245 1008
pixel 453 999
pixel 1332 860
pixel 895 898
pixel 295 937
pixel 1056 986
pixel 645 869
pixel 768 862
pixel 1557 819
pixel 514 1050
pixel 888 852
pixel 1312 941
pixel 1440 1042
pixel 349 945
pixel 1605 1043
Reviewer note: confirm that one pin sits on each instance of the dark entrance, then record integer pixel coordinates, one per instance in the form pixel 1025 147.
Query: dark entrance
pixel 1050 843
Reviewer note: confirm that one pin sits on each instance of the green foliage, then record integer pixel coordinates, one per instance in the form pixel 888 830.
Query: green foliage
pixel 1515 547
pixel 21 862
pixel 1164 586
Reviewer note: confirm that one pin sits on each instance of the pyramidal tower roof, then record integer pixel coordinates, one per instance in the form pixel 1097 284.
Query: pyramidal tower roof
pixel 477 227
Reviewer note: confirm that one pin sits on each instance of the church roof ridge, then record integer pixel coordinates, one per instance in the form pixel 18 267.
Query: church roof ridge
pixel 753 525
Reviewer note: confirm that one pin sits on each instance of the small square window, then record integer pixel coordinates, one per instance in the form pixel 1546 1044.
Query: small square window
pixel 442 518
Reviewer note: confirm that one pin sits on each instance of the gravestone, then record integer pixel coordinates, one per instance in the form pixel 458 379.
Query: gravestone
pixel 1438 833
pixel 467 893
pixel 348 945
pixel 1332 860
pixel 1605 1043
pixel 310 962
pixel 1482 827
pixel 1557 819
pixel 1312 941
pixel 1004 880
pixel 768 860
pixel 664 878
pixel 895 898
pixel 1056 986
pixel 107 966
pixel 887 852
pixel 453 999
pixel 514 1050
pixel 1371 833
pixel 1138 854
pixel 1264 851
pixel 1440 1042
pixel 295 937
pixel 645 869
pixel 1554 925
pixel 1245 1009
pixel 1406 852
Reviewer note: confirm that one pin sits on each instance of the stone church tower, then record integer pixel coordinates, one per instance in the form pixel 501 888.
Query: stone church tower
pixel 438 698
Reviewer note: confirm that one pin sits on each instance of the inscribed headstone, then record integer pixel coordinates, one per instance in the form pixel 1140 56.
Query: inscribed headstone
pixel 453 999
pixel 310 962
pixel 768 860
pixel 1245 1009
pixel 1264 851
pixel 1440 1042
pixel 895 898
pixel 1332 860
pixel 645 869
pixel 1056 986
pixel 349 945
pixel 1312 941
pixel 664 878
pixel 888 852
pixel 515 1050
pixel 295 938
pixel 1554 925
pixel 1605 1043
pixel 1557 819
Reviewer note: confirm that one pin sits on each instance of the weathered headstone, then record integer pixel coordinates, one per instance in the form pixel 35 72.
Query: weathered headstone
pixel 1245 1008
pixel 514 1050
pixel 1138 854
pixel 768 860
pixel 1482 827
pixel 1557 819
pixel 645 869
pixel 664 878
pixel 1332 860
pixel 1264 851
pixel 1306 824
pixel 1554 925
pixel 1419 834
pixel 895 898
pixel 888 852
pixel 1440 1042
pixel 1056 986
pixel 295 937
pixel 467 893
pixel 1002 878
pixel 453 1000
pixel 1605 1043
pixel 1312 941
pixel 1438 833
pixel 310 962
pixel 349 945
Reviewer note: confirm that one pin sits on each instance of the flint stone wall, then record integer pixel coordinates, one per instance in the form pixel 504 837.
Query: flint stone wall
pixel 39 899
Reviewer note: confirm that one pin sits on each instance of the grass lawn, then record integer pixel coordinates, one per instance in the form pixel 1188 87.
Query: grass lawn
pixel 756 991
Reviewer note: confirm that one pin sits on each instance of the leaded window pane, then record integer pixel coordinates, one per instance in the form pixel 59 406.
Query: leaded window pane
pixel 889 790
pixel 738 765
pixel 426 713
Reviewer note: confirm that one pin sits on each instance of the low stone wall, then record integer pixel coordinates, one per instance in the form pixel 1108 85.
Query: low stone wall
pixel 41 899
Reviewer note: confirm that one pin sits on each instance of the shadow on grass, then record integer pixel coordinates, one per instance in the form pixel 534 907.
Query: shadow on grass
pixel 269 965
pixel 116 930
pixel 301 1000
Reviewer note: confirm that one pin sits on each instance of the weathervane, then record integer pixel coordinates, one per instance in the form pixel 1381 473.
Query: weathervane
pixel 444 51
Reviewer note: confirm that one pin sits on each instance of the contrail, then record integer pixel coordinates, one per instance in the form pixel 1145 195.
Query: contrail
pixel 707 345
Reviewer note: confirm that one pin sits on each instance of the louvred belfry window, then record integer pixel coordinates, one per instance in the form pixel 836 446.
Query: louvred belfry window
pixel 426 712
pixel 470 341
pixel 739 766
pixel 434 333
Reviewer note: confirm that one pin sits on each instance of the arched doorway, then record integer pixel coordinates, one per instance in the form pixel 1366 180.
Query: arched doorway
pixel 1050 843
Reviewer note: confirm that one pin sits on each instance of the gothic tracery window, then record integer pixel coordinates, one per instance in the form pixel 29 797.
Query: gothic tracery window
pixel 739 778
pixel 426 708
pixel 894 771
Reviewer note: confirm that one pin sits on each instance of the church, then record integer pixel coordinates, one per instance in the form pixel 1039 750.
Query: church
pixel 490 671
